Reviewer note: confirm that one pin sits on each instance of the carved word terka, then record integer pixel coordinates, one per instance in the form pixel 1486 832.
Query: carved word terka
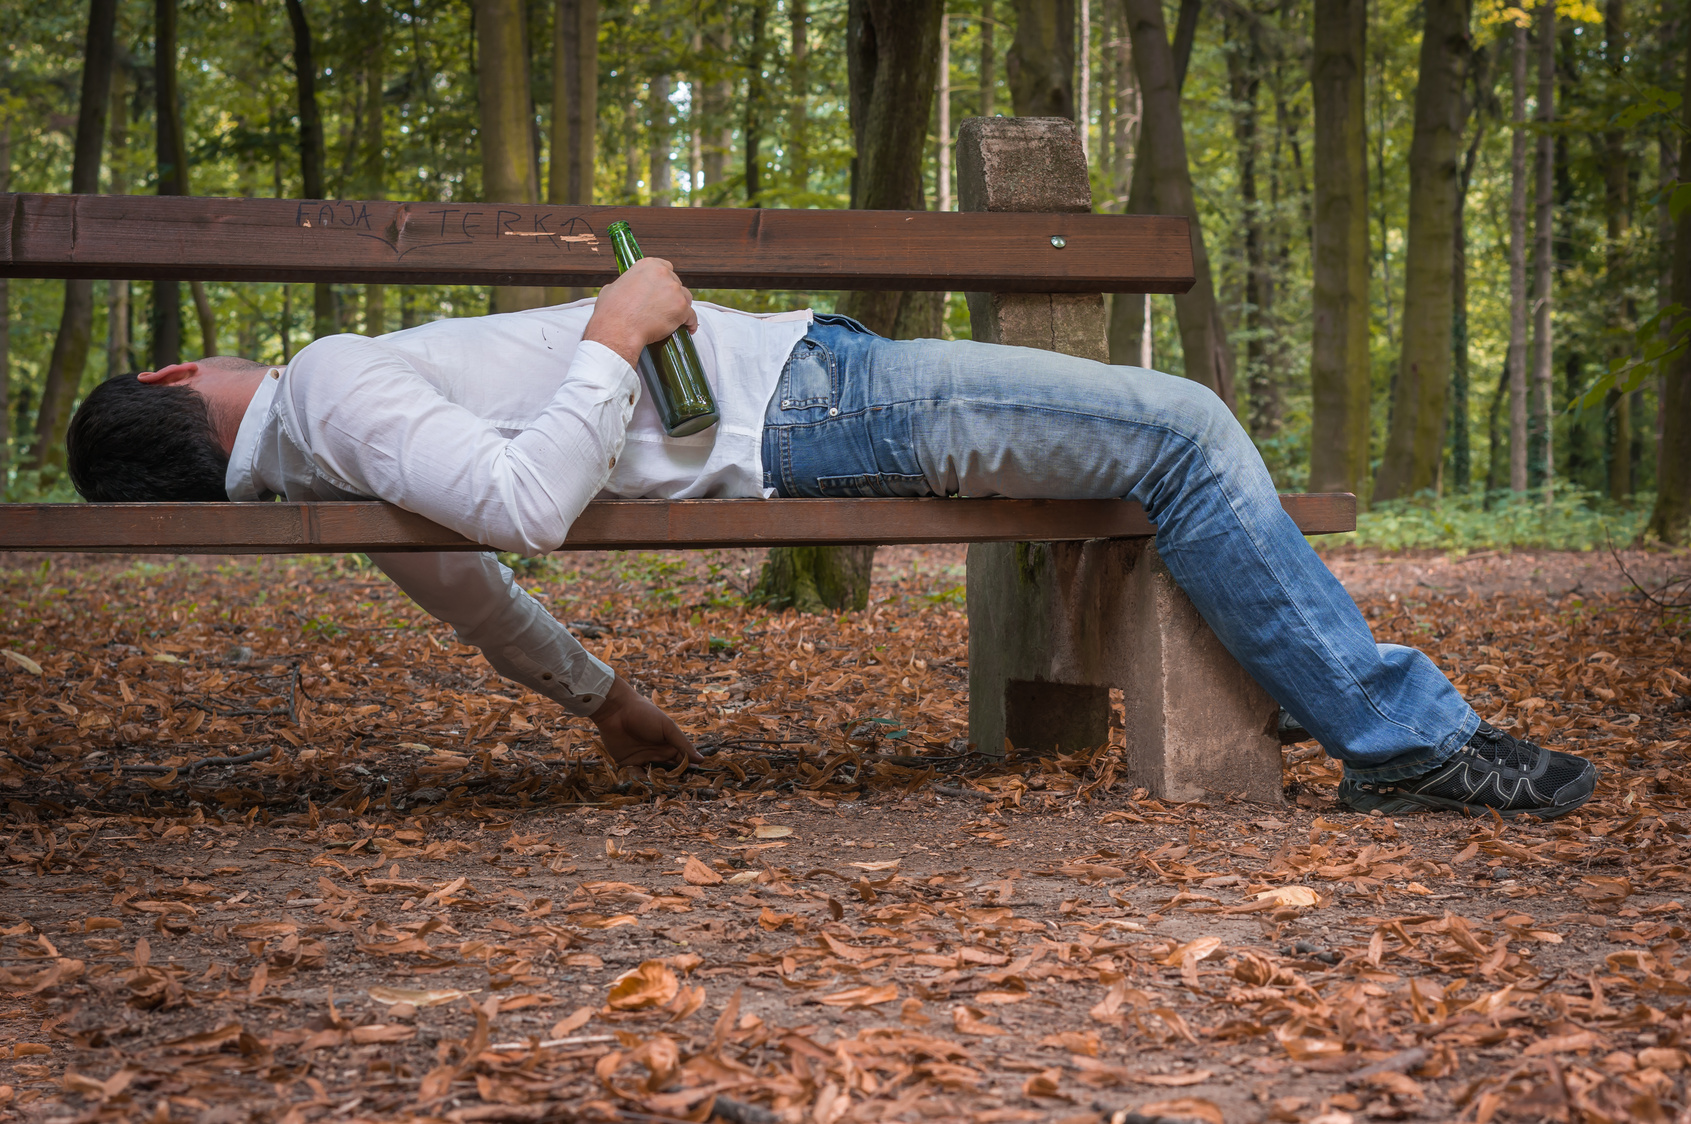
pixel 422 226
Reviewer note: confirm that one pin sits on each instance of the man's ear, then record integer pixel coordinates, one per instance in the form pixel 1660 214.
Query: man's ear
pixel 165 376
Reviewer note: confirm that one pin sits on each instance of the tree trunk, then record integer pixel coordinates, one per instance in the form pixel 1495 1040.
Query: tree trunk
pixel 575 101
pixel 118 358
pixel 798 116
pixel 507 134
pixel 942 121
pixel 1339 359
pixel 892 56
pixel 1185 34
pixel 1169 191
pixel 5 323
pixel 1518 268
pixel 989 59
pixel 1617 191
pixel 1244 81
pixel 1494 438
pixel 207 317
pixel 755 97
pixel 1040 63
pixel 575 110
pixel 76 320
pixel 373 162
pixel 1461 440
pixel 658 139
pixel 718 97
pixel 1128 327
pixel 1540 457
pixel 310 150
pixel 1671 519
pixel 1415 445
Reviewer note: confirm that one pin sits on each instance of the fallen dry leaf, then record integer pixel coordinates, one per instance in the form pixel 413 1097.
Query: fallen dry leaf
pixel 652 984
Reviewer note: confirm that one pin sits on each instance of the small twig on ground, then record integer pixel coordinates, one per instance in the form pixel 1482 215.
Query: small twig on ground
pixel 24 761
pixel 965 793
pixel 293 687
pixel 551 1043
pixel 202 763
pixel 1396 1063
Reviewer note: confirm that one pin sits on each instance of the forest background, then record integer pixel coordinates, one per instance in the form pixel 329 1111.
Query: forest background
pixel 1515 171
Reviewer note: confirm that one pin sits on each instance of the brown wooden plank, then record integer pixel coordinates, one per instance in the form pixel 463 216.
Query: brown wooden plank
pixel 232 239
pixel 327 528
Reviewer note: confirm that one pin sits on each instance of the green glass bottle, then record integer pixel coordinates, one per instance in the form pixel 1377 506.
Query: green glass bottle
pixel 674 376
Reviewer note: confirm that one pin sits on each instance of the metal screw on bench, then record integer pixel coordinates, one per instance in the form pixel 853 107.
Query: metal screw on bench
pixel 1058 242
pixel 671 369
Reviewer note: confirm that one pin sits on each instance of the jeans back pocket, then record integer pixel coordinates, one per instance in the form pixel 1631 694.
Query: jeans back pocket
pixel 810 378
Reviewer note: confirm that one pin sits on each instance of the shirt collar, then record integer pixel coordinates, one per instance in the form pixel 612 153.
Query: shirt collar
pixel 241 479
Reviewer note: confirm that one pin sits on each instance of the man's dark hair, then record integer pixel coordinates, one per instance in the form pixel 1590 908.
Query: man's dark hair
pixel 130 442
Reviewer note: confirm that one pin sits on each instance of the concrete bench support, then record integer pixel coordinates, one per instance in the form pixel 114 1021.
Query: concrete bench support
pixel 1054 627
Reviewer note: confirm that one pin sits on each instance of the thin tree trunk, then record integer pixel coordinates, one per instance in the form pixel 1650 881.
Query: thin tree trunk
pixel 507 134
pixel 1518 267
pixel 372 145
pixel 575 110
pixel 207 317
pixel 118 359
pixel 1129 325
pixel 892 55
pixel 942 114
pixel 1083 111
pixel 658 138
pixel 310 150
pixel 1185 34
pixel 1202 339
pixel 1415 446
pixel 718 98
pixel 1244 79
pixel 1040 62
pixel 1671 519
pixel 1540 456
pixel 76 320
pixel 1494 438
pixel 989 59
pixel 755 97
pixel 1461 440
pixel 5 323
pixel 798 79
pixel 1617 191
pixel 1339 359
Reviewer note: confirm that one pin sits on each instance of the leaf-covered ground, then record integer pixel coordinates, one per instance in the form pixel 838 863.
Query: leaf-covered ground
pixel 277 848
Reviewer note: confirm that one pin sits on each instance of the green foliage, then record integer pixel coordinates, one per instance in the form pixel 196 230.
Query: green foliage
pixel 1472 521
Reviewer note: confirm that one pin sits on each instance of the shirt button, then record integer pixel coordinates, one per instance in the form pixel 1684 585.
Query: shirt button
pixel 275 373
pixel 613 463
pixel 833 411
pixel 631 398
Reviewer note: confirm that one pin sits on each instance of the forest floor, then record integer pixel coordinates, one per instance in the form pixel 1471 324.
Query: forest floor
pixel 418 893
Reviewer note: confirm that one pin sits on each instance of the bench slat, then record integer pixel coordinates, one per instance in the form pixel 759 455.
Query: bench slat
pixel 141 237
pixel 328 528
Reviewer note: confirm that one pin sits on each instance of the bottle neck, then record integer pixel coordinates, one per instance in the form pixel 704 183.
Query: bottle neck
pixel 627 250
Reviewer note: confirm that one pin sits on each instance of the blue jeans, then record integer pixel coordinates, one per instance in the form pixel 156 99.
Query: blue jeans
pixel 858 415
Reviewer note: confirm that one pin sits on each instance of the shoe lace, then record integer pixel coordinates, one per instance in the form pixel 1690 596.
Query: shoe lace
pixel 1504 749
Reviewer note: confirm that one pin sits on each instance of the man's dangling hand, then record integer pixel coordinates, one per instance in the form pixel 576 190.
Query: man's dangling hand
pixel 636 732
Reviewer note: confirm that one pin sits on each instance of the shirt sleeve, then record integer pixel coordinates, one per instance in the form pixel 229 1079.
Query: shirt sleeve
pixel 374 424
pixel 480 599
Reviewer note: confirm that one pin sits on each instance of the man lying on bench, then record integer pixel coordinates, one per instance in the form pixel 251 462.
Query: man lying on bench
pixel 504 427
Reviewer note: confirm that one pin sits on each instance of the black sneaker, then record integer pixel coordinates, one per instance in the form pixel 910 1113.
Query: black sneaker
pixel 1494 770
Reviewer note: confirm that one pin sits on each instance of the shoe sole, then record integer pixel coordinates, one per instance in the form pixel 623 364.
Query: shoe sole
pixel 1358 799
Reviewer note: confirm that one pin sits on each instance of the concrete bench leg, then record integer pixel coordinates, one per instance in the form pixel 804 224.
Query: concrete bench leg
pixel 1053 627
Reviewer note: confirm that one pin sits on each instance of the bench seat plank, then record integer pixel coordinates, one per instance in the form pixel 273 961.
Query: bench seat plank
pixel 328 528
pixel 147 237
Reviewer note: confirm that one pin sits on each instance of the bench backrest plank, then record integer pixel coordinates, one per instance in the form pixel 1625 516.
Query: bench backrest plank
pixel 139 237
pixel 328 528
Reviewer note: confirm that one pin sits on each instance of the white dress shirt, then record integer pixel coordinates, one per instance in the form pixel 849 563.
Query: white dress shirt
pixel 503 428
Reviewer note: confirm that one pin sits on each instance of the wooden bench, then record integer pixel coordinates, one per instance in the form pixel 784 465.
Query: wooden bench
pixel 1067 598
